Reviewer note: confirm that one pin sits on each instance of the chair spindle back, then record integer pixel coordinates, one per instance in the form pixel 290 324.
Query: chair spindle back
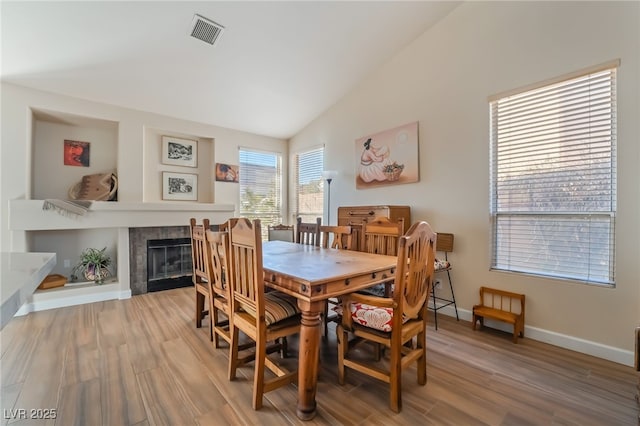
pixel 308 233
pixel 247 286
pixel 414 274
pixel 217 248
pixel 199 251
pixel 341 237
pixel 381 235
pixel 280 233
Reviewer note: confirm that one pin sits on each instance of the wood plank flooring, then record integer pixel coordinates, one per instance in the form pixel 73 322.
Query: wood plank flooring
pixel 142 362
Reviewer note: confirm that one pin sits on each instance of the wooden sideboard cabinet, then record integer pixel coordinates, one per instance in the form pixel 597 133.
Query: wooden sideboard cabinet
pixel 355 216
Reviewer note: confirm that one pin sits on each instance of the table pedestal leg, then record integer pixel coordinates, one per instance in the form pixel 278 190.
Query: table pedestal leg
pixel 308 358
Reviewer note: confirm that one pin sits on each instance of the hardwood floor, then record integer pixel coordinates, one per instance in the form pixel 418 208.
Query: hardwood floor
pixel 142 362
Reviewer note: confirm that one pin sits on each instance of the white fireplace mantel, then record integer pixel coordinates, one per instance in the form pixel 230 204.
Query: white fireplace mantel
pixel 27 215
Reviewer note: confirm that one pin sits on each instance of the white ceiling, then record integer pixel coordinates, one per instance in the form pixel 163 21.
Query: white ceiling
pixel 276 67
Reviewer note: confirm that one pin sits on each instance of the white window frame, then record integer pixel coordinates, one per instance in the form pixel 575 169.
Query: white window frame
pixel 545 221
pixel 266 216
pixel 313 171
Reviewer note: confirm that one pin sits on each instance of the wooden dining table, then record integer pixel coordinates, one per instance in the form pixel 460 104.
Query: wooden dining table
pixel 313 275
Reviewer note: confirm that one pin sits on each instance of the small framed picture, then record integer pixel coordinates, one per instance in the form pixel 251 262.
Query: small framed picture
pixel 179 186
pixel 227 173
pixel 179 152
pixel 76 153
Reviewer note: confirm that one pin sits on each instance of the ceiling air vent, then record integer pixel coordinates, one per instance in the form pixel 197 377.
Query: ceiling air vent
pixel 205 29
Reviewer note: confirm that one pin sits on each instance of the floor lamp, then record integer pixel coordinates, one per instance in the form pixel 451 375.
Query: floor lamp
pixel 329 175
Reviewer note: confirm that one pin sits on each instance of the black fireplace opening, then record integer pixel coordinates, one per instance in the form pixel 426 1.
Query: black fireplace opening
pixel 169 264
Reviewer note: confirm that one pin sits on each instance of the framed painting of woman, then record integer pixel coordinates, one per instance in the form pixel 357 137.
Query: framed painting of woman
pixel 387 158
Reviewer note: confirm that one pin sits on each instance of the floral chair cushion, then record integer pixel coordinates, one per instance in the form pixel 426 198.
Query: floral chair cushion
pixel 371 316
pixel 440 265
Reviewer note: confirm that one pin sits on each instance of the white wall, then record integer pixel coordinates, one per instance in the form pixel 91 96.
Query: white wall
pixel 68 245
pixel 443 80
pixel 154 167
pixel 51 178
pixel 133 170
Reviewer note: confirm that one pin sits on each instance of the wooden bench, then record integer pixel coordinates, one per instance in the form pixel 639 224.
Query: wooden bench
pixel 502 306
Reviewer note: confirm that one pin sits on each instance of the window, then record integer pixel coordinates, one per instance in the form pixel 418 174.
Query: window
pixel 309 184
pixel 553 178
pixel 261 187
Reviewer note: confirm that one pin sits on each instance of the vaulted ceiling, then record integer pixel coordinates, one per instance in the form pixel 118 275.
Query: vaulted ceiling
pixel 275 67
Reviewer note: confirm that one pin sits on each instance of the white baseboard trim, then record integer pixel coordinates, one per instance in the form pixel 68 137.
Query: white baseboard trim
pixel 72 300
pixel 611 353
pixel 126 294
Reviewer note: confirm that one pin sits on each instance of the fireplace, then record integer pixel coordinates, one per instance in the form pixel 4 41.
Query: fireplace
pixel 168 263
pixel 139 253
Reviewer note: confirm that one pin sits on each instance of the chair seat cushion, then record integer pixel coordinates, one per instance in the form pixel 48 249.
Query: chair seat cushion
pixel 279 306
pixel 371 316
pixel 440 265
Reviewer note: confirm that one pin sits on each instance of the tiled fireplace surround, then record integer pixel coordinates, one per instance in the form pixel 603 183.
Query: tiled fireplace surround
pixel 138 238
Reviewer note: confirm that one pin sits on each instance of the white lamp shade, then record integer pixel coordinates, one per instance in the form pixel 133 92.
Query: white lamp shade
pixel 329 174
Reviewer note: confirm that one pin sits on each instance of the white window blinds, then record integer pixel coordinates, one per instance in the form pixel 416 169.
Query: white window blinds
pixel 553 172
pixel 261 187
pixel 309 184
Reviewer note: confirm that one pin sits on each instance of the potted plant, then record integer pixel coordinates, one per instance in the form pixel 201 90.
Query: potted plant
pixel 94 265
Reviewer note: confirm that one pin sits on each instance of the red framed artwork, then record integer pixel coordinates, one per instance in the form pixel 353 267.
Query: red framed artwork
pixel 76 153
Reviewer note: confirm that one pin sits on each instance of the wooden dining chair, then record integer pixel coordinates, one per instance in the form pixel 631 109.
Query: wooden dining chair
pixel 200 270
pixel 217 248
pixel 308 233
pixel 263 317
pixel 393 321
pixel 280 233
pixel 338 237
pixel 381 236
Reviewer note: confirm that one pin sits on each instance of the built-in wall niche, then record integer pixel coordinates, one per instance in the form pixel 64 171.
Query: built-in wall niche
pixel 69 243
pixel 154 167
pixel 51 178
